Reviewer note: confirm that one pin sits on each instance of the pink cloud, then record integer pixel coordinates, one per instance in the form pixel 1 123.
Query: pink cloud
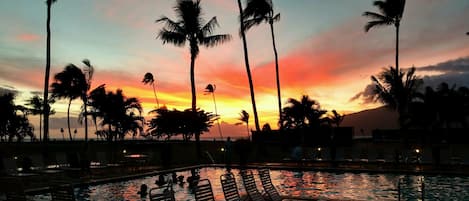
pixel 27 37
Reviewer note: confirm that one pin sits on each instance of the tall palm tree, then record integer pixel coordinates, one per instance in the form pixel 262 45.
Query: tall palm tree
pixel 391 12
pixel 255 13
pixel 244 118
pixel 88 72
pixel 211 89
pixel 37 108
pixel 46 78
pixel 149 79
pixel 190 27
pixel 248 68
pixel 395 91
pixel 69 84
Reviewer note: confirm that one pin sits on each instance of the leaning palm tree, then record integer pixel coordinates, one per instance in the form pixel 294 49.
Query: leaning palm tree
pixel 88 72
pixel 248 68
pixel 69 84
pixel 391 12
pixel 46 79
pixel 190 27
pixel 149 79
pixel 210 89
pixel 244 119
pixel 37 108
pixel 255 13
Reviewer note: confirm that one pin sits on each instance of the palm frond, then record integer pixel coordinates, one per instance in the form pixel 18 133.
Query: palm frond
pixel 375 16
pixel 249 23
pixel 175 38
pixel 372 24
pixel 214 40
pixel 276 18
pixel 170 24
pixel 208 28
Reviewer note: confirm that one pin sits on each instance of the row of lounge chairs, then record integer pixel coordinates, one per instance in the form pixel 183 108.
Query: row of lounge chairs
pixel 14 190
pixel 203 190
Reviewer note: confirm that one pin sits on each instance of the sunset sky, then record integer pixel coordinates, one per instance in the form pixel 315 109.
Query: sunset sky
pixel 323 49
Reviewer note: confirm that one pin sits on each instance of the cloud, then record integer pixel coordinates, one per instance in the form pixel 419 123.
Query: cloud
pixel 27 37
pixel 460 65
pixel 5 89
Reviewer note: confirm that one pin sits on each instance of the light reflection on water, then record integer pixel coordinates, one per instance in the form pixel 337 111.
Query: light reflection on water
pixel 323 185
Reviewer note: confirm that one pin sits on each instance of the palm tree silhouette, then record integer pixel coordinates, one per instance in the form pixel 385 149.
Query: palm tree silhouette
pixel 244 118
pixel 248 68
pixel 391 12
pixel 299 114
pixel 37 108
pixel 395 92
pixel 46 78
pixel 149 79
pixel 336 118
pixel 189 27
pixel 259 11
pixel 69 84
pixel 88 72
pixel 211 89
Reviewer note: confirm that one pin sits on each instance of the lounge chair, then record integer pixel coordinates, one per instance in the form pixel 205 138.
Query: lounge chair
pixel 162 193
pixel 62 192
pixel 250 186
pixel 230 189
pixel 203 191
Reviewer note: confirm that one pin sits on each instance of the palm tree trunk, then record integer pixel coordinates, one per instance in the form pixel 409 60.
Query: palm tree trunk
pixel 40 127
pixel 46 78
pixel 154 92
pixel 85 102
pixel 248 69
pixel 68 120
pixel 397 48
pixel 194 100
pixel 276 72
pixel 216 113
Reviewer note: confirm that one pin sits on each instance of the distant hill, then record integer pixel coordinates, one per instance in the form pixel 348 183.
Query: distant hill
pixel 364 122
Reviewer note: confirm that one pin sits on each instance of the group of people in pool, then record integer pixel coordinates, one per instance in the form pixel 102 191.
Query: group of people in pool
pixel 191 180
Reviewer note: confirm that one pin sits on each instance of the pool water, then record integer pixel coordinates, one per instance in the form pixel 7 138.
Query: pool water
pixel 322 185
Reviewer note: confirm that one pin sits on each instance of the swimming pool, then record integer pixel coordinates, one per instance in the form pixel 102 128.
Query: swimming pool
pixel 323 185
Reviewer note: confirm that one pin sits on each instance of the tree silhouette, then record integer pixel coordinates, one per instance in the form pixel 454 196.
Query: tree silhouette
pixel 11 123
pixel 336 118
pixel 391 12
pixel 395 91
pixel 211 89
pixel 248 68
pixel 47 74
pixel 149 79
pixel 37 108
pixel 244 119
pixel 299 114
pixel 190 27
pixel 69 84
pixel 88 72
pixel 255 13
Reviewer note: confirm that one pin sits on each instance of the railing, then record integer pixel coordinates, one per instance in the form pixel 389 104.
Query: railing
pixel 405 186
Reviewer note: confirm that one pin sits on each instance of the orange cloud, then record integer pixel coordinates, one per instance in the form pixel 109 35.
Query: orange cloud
pixel 27 37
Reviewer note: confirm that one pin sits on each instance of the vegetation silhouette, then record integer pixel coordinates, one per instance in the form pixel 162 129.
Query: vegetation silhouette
pixel 12 124
pixel 210 89
pixel 116 112
pixel 299 114
pixel 149 79
pixel 190 27
pixel 170 123
pixel 47 74
pixel 88 72
pixel 246 63
pixel 396 90
pixel 37 108
pixel 391 12
pixel 244 119
pixel 69 84
pixel 335 118
pixel 255 13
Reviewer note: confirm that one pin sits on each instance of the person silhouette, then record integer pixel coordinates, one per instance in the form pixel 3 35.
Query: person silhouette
pixel 143 191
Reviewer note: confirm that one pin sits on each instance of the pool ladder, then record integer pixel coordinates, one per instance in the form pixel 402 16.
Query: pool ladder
pixel 401 186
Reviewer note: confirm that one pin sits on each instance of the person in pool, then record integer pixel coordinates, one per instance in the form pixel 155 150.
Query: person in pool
pixel 143 191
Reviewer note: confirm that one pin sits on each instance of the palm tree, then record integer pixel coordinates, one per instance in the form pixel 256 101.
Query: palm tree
pixel 244 118
pixel 189 27
pixel 336 118
pixel 248 68
pixel 88 72
pixel 37 108
pixel 211 89
pixel 69 84
pixel 149 79
pixel 391 12
pixel 46 79
pixel 255 13
pixel 395 91
pixel 299 114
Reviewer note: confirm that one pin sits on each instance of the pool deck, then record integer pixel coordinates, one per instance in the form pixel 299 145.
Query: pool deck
pixel 39 183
